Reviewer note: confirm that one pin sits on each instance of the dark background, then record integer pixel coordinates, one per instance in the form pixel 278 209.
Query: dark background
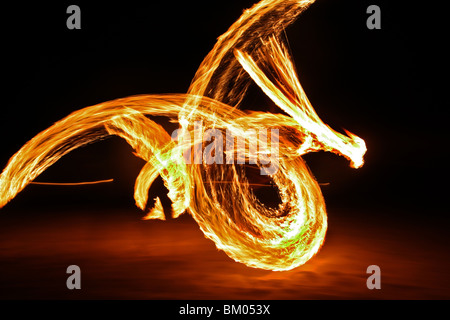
pixel 383 85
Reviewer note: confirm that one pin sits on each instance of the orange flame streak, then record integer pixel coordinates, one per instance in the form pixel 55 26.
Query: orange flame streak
pixel 71 183
pixel 227 213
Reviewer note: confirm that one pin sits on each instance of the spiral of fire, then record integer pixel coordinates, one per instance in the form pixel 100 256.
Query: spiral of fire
pixel 228 213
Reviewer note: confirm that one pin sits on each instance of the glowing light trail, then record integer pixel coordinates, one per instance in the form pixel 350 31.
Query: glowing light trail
pixel 71 183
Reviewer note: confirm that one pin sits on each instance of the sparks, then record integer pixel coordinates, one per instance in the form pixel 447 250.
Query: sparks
pixel 218 197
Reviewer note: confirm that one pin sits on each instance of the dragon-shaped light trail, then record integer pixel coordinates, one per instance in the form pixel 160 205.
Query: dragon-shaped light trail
pixel 228 213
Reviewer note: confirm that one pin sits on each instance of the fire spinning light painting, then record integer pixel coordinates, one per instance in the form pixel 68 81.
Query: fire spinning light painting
pixel 226 157
pixel 247 231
